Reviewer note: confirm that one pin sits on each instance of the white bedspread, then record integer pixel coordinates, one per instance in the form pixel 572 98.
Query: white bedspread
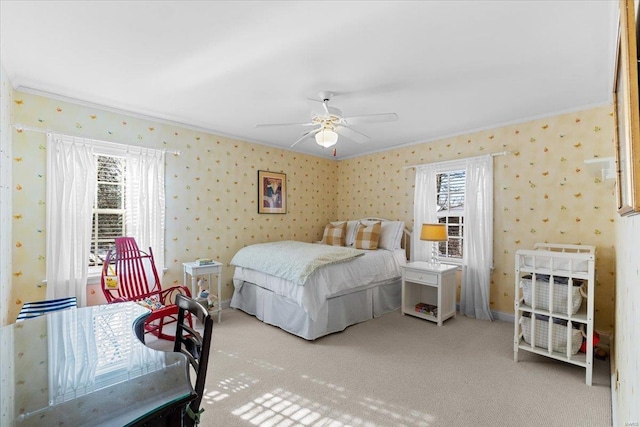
pixel 374 267
pixel 291 260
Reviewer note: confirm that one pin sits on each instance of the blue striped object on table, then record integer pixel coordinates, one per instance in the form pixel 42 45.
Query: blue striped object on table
pixel 38 308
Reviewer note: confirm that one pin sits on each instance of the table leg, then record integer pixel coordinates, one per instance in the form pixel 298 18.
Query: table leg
pixel 193 286
pixel 219 296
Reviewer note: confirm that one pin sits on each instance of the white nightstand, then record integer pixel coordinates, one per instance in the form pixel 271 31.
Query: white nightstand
pixel 195 270
pixel 434 285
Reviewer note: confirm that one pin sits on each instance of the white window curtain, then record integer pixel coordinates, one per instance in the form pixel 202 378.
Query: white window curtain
pixel 145 201
pixel 71 185
pixel 424 209
pixel 478 238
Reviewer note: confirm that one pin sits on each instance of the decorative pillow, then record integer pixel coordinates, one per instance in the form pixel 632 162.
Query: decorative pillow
pixel 391 234
pixel 352 227
pixel 152 303
pixel 368 235
pixel 334 234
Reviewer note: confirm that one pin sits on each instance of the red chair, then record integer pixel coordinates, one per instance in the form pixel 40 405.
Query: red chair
pixel 138 281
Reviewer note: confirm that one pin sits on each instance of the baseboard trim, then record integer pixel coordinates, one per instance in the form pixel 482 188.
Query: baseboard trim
pixel 497 315
pixel 507 317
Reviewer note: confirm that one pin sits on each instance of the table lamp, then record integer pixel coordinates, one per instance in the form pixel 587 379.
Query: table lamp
pixel 434 233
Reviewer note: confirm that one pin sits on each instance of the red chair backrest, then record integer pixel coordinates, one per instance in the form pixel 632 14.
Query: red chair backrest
pixel 136 270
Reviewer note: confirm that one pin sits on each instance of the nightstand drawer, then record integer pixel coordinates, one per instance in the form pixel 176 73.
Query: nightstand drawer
pixel 421 276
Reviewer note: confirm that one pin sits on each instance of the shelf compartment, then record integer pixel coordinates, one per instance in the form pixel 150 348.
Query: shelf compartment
pixel 547 334
pixel 560 273
pixel 579 359
pixel 580 316
pixel 416 293
pixel 543 291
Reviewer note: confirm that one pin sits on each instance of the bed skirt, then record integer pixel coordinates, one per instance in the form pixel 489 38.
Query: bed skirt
pixel 334 316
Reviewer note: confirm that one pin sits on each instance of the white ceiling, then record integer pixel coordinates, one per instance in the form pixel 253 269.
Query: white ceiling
pixel 445 67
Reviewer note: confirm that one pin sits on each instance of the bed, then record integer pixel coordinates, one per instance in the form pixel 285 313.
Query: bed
pixel 328 296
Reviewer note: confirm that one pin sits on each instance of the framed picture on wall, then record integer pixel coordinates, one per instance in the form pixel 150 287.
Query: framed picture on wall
pixel 272 192
pixel 627 113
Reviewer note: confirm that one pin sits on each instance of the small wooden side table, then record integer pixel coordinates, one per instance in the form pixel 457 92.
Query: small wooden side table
pixel 195 270
pixel 430 284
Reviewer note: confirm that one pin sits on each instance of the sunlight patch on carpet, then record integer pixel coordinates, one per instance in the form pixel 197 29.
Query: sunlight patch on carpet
pixel 265 365
pixel 281 408
pixel 376 408
pixel 229 386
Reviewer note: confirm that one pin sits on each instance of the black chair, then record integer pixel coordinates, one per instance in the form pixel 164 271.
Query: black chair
pixel 195 347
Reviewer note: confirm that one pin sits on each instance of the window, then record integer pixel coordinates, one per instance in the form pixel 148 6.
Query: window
pixel 89 227
pixel 450 189
pixel 108 208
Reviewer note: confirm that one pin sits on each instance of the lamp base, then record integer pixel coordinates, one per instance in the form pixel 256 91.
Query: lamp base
pixel 434 255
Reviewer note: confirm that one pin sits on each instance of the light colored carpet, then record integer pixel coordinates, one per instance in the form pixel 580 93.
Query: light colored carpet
pixel 393 371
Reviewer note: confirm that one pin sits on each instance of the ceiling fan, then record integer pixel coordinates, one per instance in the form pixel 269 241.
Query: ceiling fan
pixel 331 123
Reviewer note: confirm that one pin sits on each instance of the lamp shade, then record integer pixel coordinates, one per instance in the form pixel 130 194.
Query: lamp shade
pixel 434 232
pixel 326 138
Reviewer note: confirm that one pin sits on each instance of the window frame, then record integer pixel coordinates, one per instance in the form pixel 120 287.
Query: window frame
pixel 444 215
pixel 96 268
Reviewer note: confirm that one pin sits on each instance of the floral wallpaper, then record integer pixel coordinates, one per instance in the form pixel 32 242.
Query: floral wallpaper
pixel 211 191
pixel 6 93
pixel 542 192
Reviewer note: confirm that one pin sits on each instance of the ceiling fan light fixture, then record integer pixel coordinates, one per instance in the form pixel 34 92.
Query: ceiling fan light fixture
pixel 326 138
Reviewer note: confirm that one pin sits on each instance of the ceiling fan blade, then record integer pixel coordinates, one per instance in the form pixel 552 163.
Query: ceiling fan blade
pixel 352 134
pixel 371 118
pixel 284 124
pixel 306 135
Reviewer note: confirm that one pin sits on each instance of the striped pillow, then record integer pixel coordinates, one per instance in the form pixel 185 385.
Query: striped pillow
pixel 368 235
pixel 391 235
pixel 334 235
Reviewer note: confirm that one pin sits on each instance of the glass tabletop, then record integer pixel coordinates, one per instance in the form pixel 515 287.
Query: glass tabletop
pixel 85 366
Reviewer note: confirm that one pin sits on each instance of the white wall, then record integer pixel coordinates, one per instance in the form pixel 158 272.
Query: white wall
pixel 5 195
pixel 627 323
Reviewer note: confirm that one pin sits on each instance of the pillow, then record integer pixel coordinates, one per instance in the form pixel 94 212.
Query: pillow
pixel 334 234
pixel 391 235
pixel 152 303
pixel 368 235
pixel 352 227
pixel 350 233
